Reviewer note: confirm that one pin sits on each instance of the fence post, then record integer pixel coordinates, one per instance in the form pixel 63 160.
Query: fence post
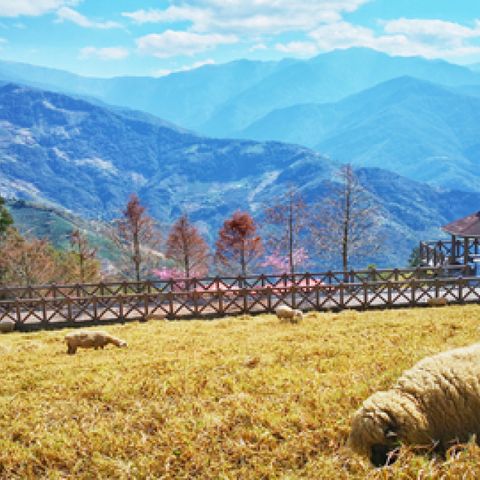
pixel 121 312
pixel 94 306
pixel 44 311
pixel 69 310
pixel 18 311
pixel 170 304
pixel 461 281
pixel 365 295
pixel 389 293
pixel 413 301
pixel 221 307
pixel 146 305
pixel 341 295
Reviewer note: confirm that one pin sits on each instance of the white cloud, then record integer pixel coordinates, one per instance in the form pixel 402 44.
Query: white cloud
pixel 68 14
pixel 249 16
pixel 432 28
pixel 185 68
pixel 15 8
pixel 257 47
pixel 106 53
pixel 403 37
pixel 300 49
pixel 172 43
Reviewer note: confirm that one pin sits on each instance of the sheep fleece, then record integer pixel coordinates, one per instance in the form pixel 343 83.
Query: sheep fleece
pixel 284 312
pixel 91 339
pixel 438 400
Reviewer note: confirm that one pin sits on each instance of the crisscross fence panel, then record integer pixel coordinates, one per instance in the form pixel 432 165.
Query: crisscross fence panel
pixel 52 306
pixel 442 252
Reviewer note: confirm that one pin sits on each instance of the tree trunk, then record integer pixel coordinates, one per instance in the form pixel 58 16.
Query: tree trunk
pixel 242 261
pixel 290 236
pixel 187 266
pixel 346 227
pixel 136 256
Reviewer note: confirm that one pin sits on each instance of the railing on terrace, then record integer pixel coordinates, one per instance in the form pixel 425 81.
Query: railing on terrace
pixel 77 305
pixel 444 252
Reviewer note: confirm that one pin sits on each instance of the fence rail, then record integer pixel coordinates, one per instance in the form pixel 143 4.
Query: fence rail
pixel 76 305
pixel 442 252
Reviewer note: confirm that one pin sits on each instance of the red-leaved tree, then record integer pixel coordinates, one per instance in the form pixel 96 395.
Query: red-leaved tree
pixel 187 248
pixel 238 245
pixel 136 235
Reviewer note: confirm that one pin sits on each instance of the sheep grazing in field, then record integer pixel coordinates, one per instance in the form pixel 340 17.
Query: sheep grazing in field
pixel 91 339
pixel 287 314
pixel 437 302
pixel 433 405
pixel 7 327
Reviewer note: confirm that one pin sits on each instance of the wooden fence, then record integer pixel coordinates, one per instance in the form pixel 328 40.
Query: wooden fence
pixel 53 306
pixel 443 252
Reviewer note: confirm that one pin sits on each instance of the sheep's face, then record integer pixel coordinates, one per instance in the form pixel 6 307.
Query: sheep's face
pixel 374 434
pixel 123 344
pixel 383 455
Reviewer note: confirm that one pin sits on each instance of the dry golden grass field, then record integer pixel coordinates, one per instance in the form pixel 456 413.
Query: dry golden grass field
pixel 237 398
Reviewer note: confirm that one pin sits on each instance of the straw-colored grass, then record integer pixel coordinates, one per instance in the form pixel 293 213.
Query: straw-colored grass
pixel 238 398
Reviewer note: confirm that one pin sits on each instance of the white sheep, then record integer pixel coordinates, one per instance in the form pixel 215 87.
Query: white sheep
pixel 434 404
pixel 287 314
pixel 437 302
pixel 91 339
pixel 7 326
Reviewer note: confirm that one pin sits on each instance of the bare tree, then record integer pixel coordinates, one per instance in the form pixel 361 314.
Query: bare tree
pixel 136 236
pixel 346 222
pixel 87 265
pixel 288 222
pixel 238 245
pixel 186 247
pixel 26 262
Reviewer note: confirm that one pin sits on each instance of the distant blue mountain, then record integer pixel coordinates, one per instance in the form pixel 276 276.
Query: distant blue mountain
pixel 220 100
pixel 328 78
pixel 416 128
pixel 186 98
pixel 475 67
pixel 62 151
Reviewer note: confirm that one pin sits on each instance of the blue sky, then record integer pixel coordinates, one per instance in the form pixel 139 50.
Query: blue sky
pixel 155 37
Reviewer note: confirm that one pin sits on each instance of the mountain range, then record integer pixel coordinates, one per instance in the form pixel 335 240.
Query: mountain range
pixel 69 153
pixel 221 100
pixel 414 116
pixel 416 128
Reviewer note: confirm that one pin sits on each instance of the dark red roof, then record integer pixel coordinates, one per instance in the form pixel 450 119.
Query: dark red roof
pixel 465 227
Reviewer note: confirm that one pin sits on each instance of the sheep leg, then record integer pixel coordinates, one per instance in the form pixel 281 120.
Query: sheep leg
pixel 71 350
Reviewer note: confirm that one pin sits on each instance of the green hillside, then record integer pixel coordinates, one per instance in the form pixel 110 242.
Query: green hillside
pixel 56 225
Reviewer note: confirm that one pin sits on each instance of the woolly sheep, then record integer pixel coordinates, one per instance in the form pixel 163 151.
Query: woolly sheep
pixel 285 313
pixel 7 327
pixel 436 404
pixel 437 302
pixel 91 339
